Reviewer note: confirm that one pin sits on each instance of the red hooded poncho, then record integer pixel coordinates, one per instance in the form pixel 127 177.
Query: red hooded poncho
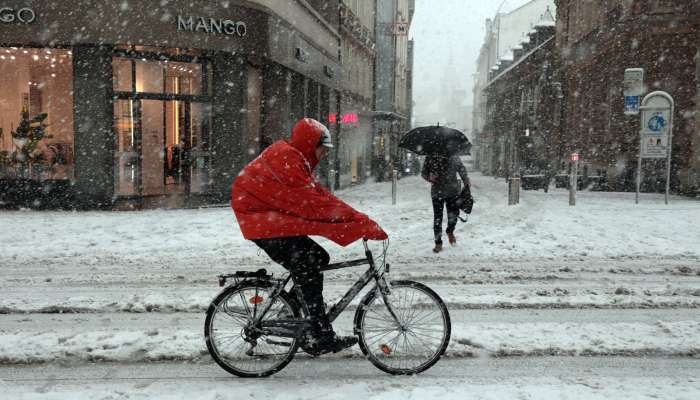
pixel 276 195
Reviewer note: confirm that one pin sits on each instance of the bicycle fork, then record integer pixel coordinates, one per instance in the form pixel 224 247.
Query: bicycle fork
pixel 384 289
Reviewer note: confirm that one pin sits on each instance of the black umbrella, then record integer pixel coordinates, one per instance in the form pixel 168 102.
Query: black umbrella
pixel 435 140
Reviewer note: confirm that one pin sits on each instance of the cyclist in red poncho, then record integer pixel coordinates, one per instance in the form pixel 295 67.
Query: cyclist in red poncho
pixel 278 203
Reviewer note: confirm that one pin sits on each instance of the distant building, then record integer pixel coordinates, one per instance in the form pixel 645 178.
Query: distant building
pixel 449 108
pixel 393 74
pixel 522 128
pixel 354 123
pixel 503 33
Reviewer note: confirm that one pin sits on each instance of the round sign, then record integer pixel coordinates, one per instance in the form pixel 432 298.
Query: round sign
pixel 656 123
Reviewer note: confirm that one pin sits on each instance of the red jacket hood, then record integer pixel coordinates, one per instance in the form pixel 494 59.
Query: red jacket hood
pixel 306 135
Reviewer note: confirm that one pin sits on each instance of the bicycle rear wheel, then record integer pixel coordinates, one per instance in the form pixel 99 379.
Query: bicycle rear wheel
pixel 231 341
pixel 413 341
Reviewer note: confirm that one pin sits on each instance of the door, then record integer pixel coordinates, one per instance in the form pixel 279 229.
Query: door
pixel 127 160
pixel 162 147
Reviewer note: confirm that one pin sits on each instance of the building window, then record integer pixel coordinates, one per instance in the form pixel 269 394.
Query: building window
pixel 162 123
pixel 36 113
pixel 157 76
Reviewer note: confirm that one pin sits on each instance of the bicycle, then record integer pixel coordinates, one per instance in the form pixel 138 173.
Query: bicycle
pixel 255 327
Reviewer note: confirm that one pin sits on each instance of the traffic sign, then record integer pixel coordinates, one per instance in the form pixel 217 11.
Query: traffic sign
pixel 656 134
pixel 632 105
pixel 574 156
pixel 633 82
pixel 656 121
pixel 654 146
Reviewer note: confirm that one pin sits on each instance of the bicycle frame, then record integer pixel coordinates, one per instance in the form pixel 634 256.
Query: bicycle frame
pixel 371 274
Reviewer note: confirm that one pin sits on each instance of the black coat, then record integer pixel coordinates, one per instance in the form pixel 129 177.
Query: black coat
pixel 442 173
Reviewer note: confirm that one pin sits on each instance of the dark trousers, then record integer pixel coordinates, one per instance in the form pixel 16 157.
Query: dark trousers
pixel 304 259
pixel 452 214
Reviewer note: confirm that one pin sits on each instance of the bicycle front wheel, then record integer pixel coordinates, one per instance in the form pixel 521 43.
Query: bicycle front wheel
pixel 232 342
pixel 408 336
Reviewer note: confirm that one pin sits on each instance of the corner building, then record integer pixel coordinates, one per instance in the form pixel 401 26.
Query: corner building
pixel 154 104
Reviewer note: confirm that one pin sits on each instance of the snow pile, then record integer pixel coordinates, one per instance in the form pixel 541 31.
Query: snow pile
pixel 501 339
pixel 455 295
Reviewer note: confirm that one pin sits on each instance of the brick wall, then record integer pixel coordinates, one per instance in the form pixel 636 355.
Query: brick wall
pixel 659 36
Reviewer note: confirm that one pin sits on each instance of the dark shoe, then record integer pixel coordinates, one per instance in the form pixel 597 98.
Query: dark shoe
pixel 451 238
pixel 331 343
pixel 321 338
pixel 437 248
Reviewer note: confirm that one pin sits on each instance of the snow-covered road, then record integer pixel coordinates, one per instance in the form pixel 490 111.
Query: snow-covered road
pixel 111 293
pixel 543 378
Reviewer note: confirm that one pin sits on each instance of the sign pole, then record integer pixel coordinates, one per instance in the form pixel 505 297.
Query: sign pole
pixel 668 151
pixel 639 172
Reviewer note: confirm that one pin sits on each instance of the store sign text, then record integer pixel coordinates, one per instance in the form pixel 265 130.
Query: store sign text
pixel 24 15
pixel 345 119
pixel 211 25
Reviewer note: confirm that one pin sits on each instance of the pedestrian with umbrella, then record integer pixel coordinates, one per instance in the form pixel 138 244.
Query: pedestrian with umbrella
pixel 441 146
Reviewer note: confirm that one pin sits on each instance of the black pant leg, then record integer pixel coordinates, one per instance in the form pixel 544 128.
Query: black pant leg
pixel 304 259
pixel 452 213
pixel 438 205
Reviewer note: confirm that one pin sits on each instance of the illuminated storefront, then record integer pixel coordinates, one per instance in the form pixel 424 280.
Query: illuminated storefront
pixel 123 107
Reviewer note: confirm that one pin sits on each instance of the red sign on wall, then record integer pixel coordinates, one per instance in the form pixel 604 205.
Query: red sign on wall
pixel 345 119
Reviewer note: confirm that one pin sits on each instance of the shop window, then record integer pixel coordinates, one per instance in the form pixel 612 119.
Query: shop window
pixel 36 114
pixel 126 126
pixel 164 51
pixel 154 76
pixel 149 76
pixel 121 74
pixel 183 78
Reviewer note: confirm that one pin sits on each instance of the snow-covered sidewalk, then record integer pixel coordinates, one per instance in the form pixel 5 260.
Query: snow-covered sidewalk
pixel 602 225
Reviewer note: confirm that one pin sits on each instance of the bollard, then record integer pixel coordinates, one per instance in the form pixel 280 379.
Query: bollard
pixel 573 182
pixel 513 190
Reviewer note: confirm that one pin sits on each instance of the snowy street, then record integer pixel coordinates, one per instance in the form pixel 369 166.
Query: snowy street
pixel 601 299
pixel 141 142
pixel 595 378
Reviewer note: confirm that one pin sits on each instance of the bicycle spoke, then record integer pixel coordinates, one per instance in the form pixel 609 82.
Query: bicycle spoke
pixel 426 335
pixel 422 317
pixel 426 345
pixel 227 335
pixel 417 342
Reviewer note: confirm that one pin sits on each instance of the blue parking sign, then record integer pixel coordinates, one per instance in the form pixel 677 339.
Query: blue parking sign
pixel 631 105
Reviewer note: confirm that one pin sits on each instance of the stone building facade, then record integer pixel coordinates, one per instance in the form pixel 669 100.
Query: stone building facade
pixel 504 32
pixel 596 42
pixel 522 131
pixel 354 123
pixel 393 74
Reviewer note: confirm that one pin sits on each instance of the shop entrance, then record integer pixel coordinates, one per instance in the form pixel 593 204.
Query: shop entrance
pixel 160 147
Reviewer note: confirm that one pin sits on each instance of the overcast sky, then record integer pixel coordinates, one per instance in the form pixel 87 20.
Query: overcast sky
pixel 444 27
